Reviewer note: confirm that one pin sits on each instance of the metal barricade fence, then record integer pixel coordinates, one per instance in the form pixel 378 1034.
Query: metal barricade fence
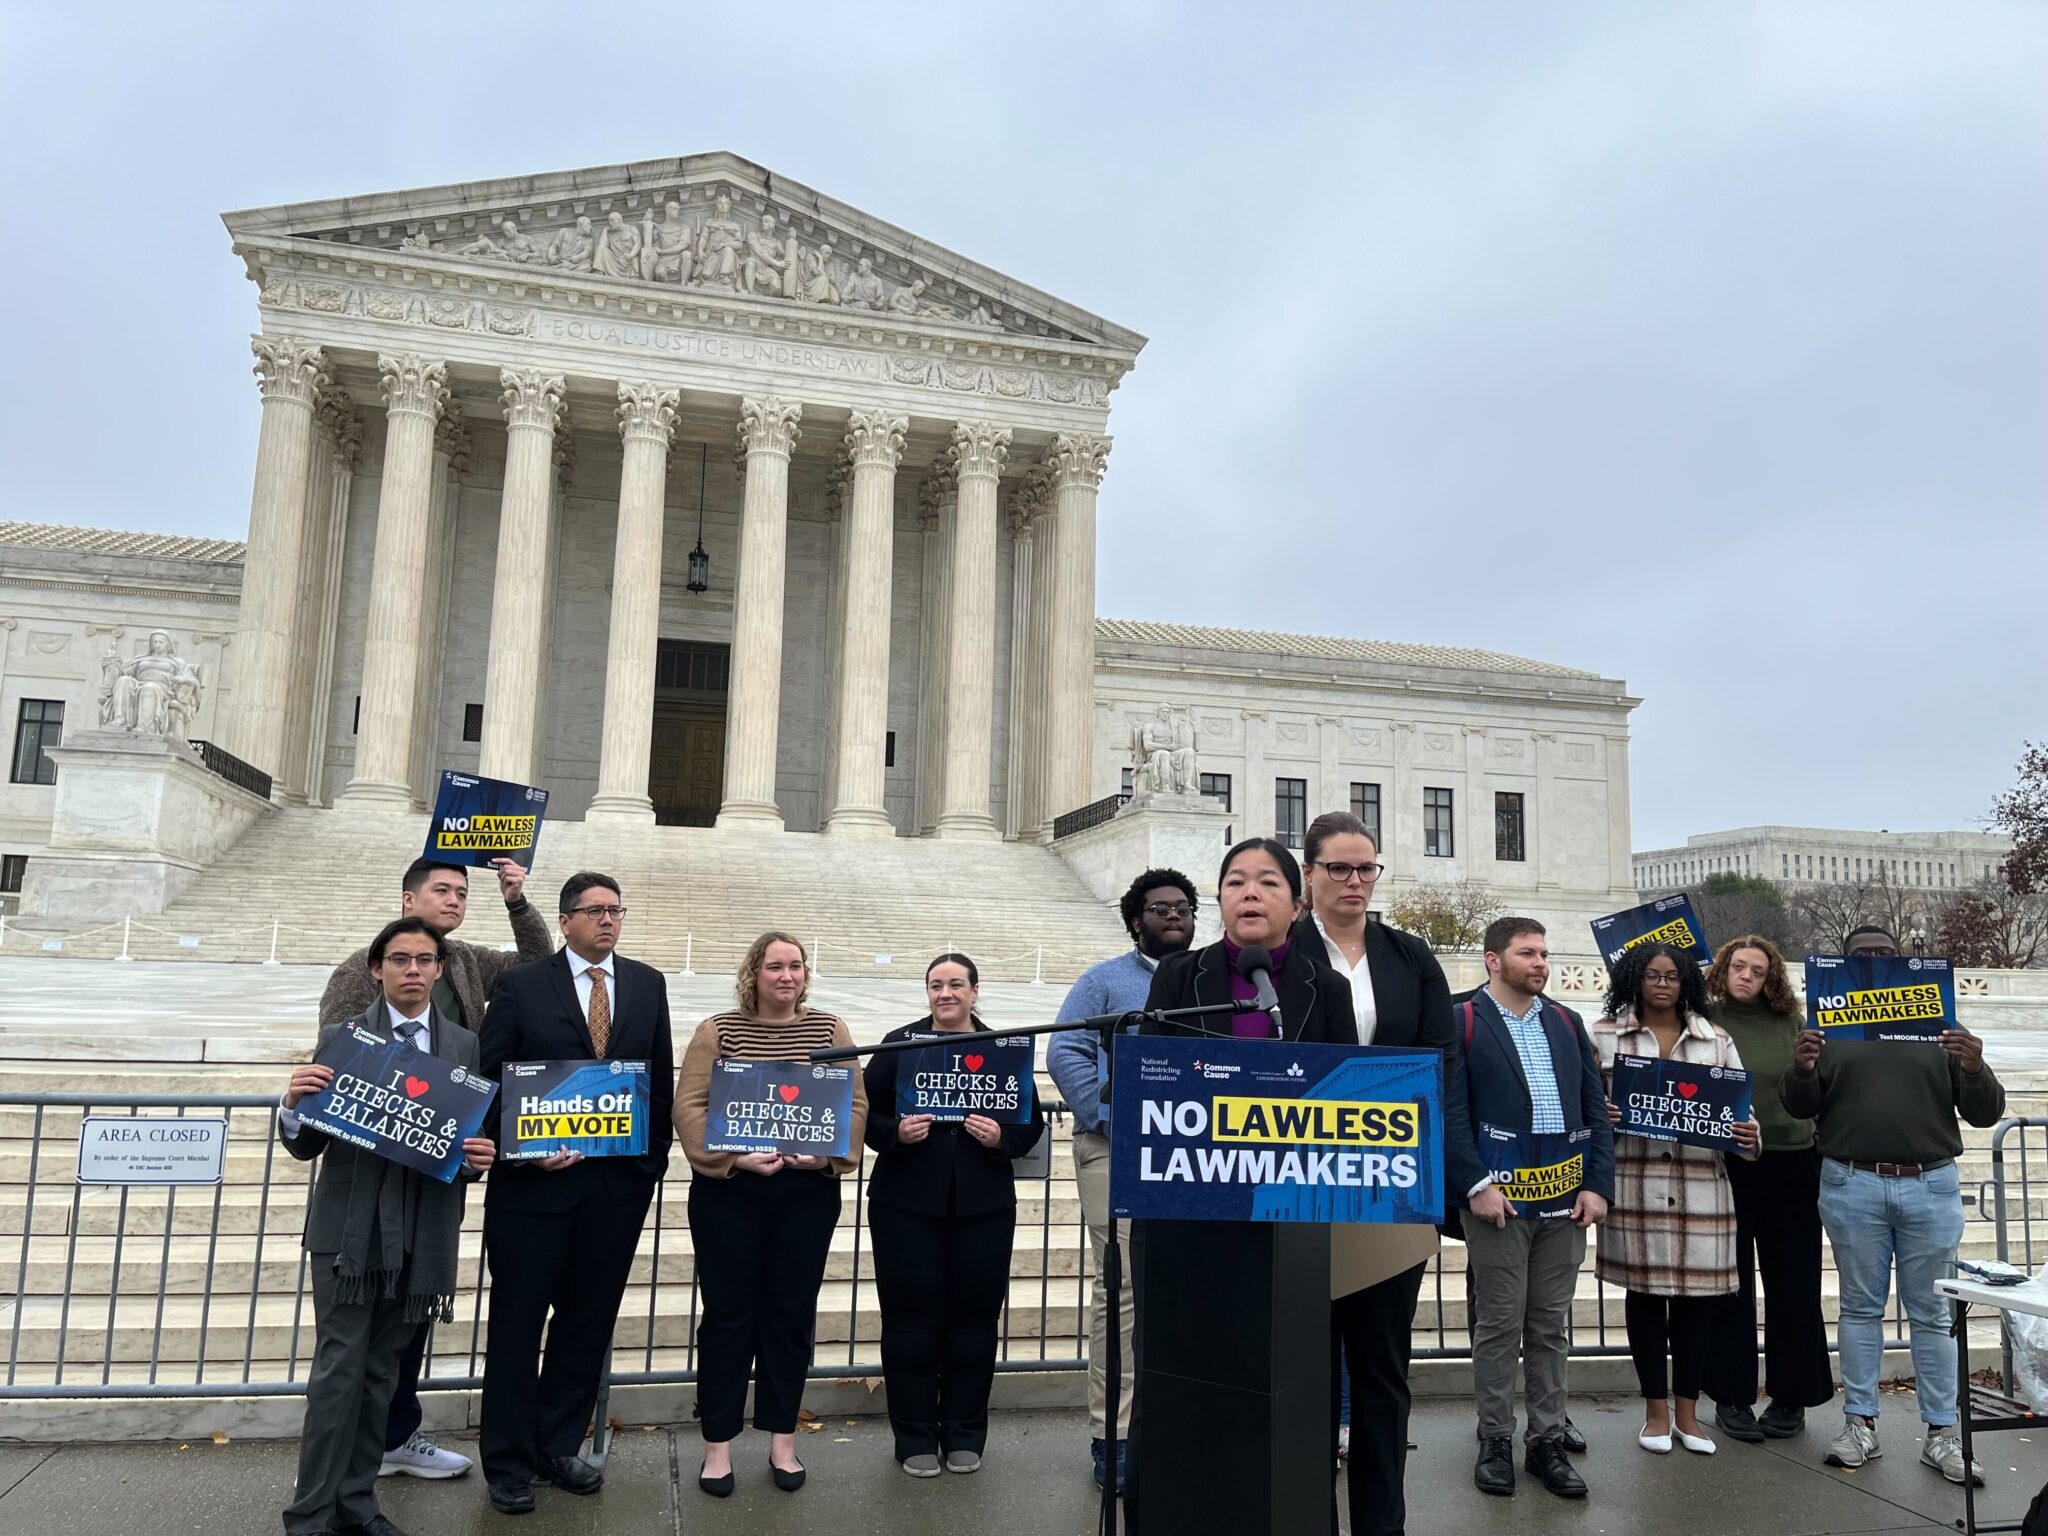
pixel 135 1292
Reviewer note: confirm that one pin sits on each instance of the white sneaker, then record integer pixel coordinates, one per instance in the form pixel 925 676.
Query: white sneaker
pixel 1944 1452
pixel 420 1457
pixel 1856 1444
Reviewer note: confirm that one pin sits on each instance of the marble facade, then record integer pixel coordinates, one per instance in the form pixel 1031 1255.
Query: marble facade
pixel 496 419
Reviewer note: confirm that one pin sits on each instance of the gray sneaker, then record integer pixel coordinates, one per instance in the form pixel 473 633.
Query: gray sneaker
pixel 1856 1444
pixel 926 1465
pixel 963 1461
pixel 1944 1452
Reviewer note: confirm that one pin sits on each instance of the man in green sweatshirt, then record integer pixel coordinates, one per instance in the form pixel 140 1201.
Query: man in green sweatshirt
pixel 1890 1193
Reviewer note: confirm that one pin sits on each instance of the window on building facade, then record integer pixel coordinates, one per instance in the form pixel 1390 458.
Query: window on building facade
pixel 1128 780
pixel 472 722
pixel 1217 787
pixel 1507 828
pixel 13 866
pixel 1365 805
pixel 889 750
pixel 1290 811
pixel 1439 838
pixel 38 727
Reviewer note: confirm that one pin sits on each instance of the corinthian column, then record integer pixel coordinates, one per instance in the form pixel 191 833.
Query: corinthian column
pixel 415 390
pixel 979 448
pixel 1022 778
pixel 768 430
pixel 1045 548
pixel 874 445
pixel 937 500
pixel 1076 460
pixel 533 408
pixel 292 374
pixel 647 419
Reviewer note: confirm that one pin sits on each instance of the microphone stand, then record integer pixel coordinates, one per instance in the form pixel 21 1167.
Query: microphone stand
pixel 1108 1026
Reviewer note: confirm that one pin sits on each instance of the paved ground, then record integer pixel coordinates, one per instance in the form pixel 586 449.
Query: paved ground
pixel 1035 1481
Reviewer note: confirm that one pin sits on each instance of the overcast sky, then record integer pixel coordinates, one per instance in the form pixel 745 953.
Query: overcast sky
pixel 1704 346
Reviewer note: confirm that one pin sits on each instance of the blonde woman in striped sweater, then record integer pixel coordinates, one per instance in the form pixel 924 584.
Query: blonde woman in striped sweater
pixel 761 1223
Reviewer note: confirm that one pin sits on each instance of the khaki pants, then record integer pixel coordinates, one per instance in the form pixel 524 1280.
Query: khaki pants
pixel 1091 1172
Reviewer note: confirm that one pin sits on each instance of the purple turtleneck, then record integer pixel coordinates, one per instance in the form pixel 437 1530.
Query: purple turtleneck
pixel 1250 1026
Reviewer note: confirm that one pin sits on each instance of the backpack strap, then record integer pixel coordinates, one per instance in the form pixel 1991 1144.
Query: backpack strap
pixel 1470 1020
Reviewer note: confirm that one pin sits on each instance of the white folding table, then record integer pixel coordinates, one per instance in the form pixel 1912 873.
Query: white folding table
pixel 2030 1296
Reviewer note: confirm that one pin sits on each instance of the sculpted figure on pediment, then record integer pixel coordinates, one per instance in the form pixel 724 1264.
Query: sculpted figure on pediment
pixel 817 285
pixel 762 270
pixel 512 244
pixel 666 253
pixel 575 247
pixel 618 248
pixel 721 246
pixel 862 288
pixel 910 300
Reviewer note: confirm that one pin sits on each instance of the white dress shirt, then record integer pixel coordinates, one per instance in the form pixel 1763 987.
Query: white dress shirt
pixel 1360 976
pixel 579 971
pixel 417 1033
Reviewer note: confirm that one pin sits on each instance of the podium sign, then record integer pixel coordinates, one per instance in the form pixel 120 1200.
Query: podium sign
pixel 1262 1130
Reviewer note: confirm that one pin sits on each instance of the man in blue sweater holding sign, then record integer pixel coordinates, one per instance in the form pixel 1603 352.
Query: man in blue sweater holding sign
pixel 1159 914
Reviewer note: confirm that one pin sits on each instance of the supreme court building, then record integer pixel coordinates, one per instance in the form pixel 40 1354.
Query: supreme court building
pixel 701 498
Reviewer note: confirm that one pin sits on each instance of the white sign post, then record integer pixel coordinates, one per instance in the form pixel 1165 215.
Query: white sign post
pixel 130 1149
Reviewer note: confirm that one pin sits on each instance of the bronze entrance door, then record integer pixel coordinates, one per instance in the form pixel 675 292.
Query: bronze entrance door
pixel 686 776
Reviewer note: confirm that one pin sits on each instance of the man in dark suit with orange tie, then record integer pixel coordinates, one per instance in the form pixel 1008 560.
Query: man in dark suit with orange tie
pixel 560 1233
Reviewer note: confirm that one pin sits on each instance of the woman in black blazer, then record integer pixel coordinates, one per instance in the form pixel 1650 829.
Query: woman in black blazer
pixel 1399 997
pixel 1258 891
pixel 942 1209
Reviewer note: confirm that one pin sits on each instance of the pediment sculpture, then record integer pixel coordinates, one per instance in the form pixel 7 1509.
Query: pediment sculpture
pixel 712 250
pixel 157 693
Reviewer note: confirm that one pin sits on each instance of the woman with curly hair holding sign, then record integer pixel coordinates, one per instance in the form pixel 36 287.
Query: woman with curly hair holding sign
pixel 1777 1214
pixel 1670 1236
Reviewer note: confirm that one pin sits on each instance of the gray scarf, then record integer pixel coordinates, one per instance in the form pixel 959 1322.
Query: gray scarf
pixel 395 1212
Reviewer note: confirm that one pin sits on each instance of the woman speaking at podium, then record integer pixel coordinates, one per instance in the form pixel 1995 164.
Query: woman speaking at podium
pixel 1398 998
pixel 1259 893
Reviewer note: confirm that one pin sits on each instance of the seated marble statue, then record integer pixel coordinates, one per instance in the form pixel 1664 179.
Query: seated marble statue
pixel 154 694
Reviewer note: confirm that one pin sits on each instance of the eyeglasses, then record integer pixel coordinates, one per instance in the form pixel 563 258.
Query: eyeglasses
pixel 614 913
pixel 1662 978
pixel 411 962
pixel 1170 908
pixel 1342 873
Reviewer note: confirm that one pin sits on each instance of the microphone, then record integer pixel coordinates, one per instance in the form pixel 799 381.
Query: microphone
pixel 1256 967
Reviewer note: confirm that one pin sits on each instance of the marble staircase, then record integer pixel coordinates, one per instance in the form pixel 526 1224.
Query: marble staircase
pixel 310 885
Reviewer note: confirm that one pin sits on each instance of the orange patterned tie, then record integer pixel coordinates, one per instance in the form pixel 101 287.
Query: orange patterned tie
pixel 600 1012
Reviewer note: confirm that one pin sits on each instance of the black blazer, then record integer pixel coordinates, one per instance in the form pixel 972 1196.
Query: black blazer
pixel 948 1163
pixel 534 1016
pixel 1315 1004
pixel 1412 1001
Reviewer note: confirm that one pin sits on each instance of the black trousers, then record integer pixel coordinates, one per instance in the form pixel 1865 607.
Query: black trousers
pixel 941 1281
pixel 1668 1338
pixel 572 1263
pixel 1777 1233
pixel 1373 1331
pixel 761 1246
pixel 406 1414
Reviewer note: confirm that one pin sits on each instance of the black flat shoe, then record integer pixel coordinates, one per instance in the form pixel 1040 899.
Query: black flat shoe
pixel 513 1498
pixel 788 1482
pixel 1738 1422
pixel 572 1474
pixel 1782 1423
pixel 717 1487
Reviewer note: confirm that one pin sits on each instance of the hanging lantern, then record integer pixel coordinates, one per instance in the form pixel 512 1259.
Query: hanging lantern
pixel 700 563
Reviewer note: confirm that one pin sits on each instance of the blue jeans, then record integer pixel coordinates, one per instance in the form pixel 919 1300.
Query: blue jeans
pixel 1873 1224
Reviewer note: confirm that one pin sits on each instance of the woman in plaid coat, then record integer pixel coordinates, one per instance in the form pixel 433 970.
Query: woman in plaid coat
pixel 1669 1241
